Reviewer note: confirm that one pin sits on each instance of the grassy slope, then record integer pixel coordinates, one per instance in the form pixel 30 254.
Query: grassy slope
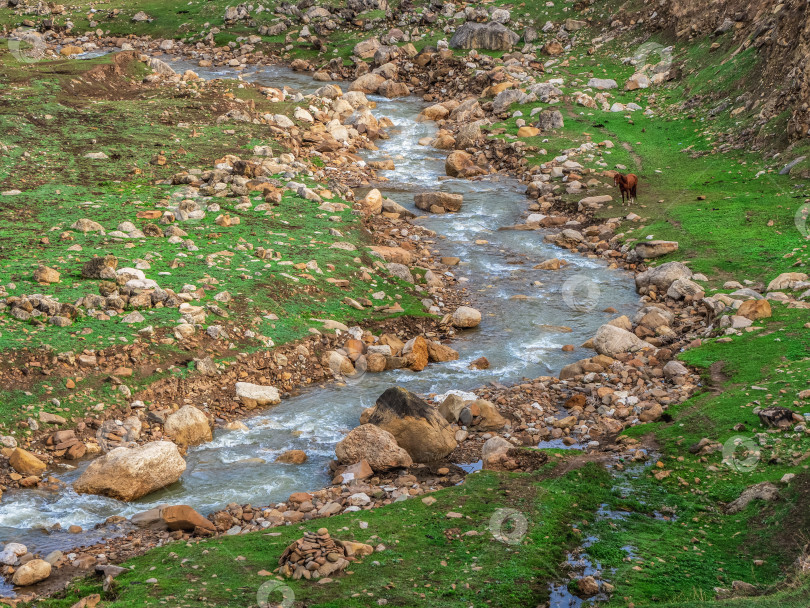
pixel 429 559
pixel 49 125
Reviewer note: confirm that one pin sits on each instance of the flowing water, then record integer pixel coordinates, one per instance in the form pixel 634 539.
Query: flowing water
pixel 520 336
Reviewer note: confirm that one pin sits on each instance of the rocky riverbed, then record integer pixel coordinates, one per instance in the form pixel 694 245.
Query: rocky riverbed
pixel 618 372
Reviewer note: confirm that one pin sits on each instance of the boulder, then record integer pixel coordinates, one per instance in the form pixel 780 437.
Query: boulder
pixel 292 457
pixel 549 120
pixel 392 88
pixel 460 164
pixel 451 408
pixel 372 202
pixel 366 48
pixel 647 250
pixel 256 394
pixel 762 491
pixel 373 444
pixel 489 419
pixel 493 449
pixel 183 517
pixel 416 426
pixel 661 277
pixel 465 317
pixel 417 354
pixel 553 49
pixel 611 340
pixel 602 84
pixel 786 280
pixel 46 274
pixel 755 309
pixel 490 36
pixel 443 200
pixel 130 473
pixel 188 426
pixel 32 572
pixel 367 83
pixel 102 267
pixel 682 288
pixel 25 463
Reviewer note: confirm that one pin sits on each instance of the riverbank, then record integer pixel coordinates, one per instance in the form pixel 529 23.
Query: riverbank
pixel 711 421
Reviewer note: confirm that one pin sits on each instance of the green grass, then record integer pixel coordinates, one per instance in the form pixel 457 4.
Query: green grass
pixel 53 113
pixel 428 559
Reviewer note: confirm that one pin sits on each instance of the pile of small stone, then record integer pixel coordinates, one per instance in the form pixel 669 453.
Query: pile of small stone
pixel 314 556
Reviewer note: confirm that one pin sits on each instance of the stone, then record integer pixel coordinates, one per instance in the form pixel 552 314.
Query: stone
pixel 367 83
pixel 188 426
pixel 465 317
pixel 416 352
pixel 392 89
pixel 46 274
pixel 130 473
pixel 786 280
pixel 647 250
pixel 373 444
pixel 253 395
pixel 602 84
pixel 587 586
pixel 441 353
pixel 493 449
pixel 673 369
pixel 31 572
pixel 550 120
pixel 102 267
pixel 183 517
pixel 373 202
pixel 491 36
pixel 490 418
pixel 293 457
pixel 416 426
pixel 25 463
pixel 460 164
pixel 611 340
pixel 447 201
pixel 682 288
pixel 762 491
pixel 366 48
pixel 661 277
pixel 755 309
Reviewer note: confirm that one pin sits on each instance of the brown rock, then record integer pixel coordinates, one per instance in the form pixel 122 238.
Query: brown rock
pixel 25 462
pixel 292 457
pixel 373 444
pixel 755 309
